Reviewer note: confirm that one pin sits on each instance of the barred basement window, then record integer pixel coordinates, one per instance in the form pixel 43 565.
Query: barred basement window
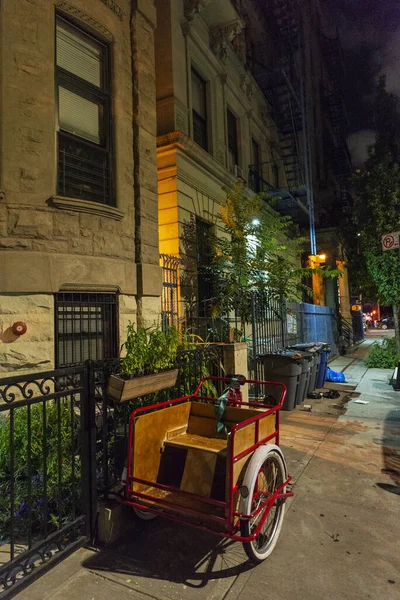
pixel 84 125
pixel 86 327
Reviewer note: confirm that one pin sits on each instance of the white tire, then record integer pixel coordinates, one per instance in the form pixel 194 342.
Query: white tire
pixel 266 469
pixel 144 515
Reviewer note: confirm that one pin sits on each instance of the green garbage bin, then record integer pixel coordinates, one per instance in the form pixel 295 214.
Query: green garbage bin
pixel 285 367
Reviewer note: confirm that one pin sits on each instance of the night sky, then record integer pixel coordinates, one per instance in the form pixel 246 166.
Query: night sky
pixel 370 36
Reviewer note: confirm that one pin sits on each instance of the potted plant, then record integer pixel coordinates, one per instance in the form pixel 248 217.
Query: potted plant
pixel 147 365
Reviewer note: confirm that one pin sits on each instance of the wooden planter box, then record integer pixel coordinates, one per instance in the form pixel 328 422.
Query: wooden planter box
pixel 127 389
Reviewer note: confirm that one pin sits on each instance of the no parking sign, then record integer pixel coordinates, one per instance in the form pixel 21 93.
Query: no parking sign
pixel 391 241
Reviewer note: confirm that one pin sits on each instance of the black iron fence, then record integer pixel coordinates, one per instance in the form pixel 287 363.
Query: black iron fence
pixel 277 325
pixel 45 472
pixel 63 444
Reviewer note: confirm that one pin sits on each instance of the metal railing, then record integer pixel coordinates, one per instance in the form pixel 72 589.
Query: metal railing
pixel 63 444
pixel 45 508
pixel 170 292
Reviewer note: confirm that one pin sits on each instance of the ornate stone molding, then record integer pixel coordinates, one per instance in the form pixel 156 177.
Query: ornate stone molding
pixel 69 9
pixel 222 36
pixel 247 85
pixel 113 6
pixel 192 7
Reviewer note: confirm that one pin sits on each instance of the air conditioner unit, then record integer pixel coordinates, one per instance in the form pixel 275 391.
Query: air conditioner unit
pixel 238 172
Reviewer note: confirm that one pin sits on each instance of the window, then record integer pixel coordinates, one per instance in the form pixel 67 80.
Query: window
pixel 255 182
pixel 199 110
pixel 275 175
pixel 204 279
pixel 233 153
pixel 86 327
pixel 83 104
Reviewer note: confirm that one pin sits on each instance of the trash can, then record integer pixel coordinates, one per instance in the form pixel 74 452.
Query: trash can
pixel 315 349
pixel 285 367
pixel 323 364
pixel 308 362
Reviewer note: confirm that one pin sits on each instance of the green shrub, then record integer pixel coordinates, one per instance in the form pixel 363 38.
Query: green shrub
pixel 149 350
pixel 39 495
pixel 383 356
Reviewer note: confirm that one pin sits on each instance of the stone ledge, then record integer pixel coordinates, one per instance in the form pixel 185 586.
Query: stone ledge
pixel 86 206
pixel 149 279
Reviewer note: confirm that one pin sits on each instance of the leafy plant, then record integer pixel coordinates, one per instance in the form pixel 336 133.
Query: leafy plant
pixel 149 350
pixel 384 355
pixel 377 206
pixel 256 251
pixel 46 492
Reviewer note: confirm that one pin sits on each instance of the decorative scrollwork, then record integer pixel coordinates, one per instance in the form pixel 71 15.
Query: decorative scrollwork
pixel 34 387
pixel 14 572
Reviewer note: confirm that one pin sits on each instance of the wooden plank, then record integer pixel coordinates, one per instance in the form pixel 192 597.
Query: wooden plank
pixel 198 442
pixel 199 409
pixel 199 470
pixel 122 390
pixel 178 501
pixel 232 414
pixel 206 427
pixel 340 387
pixel 149 435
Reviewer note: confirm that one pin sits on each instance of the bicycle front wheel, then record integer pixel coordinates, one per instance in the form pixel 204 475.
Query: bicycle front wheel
pixel 265 473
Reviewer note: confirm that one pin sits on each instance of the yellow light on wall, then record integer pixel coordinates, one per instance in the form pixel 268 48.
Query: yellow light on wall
pixel 322 257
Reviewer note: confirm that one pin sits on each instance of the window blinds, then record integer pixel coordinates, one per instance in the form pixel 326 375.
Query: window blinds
pixel 79 115
pixel 79 54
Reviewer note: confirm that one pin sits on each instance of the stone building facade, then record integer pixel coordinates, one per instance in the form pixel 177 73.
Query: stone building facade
pixel 213 121
pixel 79 252
pixel 226 113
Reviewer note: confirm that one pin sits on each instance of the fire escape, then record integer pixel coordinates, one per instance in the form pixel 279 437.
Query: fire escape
pixel 284 84
pixel 336 111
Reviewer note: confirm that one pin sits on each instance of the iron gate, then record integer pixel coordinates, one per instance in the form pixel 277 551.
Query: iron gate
pixel 46 505
pixel 169 299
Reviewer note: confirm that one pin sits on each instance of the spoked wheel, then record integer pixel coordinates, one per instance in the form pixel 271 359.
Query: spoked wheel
pixel 265 473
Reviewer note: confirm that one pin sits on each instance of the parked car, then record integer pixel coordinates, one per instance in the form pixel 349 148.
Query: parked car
pixel 386 323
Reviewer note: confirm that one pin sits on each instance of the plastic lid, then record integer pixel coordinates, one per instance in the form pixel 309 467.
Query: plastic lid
pixel 292 354
pixel 309 347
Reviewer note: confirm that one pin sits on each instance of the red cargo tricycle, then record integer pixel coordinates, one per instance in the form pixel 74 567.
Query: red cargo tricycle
pixel 212 463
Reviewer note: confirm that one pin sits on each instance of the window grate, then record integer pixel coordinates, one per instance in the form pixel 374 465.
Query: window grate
pixel 86 327
pixel 83 171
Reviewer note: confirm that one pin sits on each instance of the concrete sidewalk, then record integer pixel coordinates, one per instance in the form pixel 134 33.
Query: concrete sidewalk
pixel 340 538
